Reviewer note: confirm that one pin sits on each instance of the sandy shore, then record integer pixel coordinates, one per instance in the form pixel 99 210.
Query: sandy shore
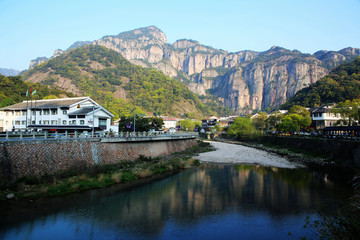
pixel 233 153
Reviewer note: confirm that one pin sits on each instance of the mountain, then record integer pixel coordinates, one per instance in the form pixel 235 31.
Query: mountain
pixel 342 83
pixel 13 90
pixel 9 72
pixel 120 86
pixel 243 81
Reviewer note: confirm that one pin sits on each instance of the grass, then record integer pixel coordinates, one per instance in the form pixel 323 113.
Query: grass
pixel 101 176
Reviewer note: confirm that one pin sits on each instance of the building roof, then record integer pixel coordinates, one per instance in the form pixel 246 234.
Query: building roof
pixel 322 109
pixel 82 111
pixel 169 119
pixel 46 104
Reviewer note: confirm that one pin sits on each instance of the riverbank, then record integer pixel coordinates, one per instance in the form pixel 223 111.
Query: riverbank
pixel 310 151
pixel 237 153
pixel 102 176
pixel 292 155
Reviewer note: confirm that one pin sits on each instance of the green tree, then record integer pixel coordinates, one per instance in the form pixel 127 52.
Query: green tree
pixel 259 121
pixel 126 124
pixel 187 125
pixel 349 111
pixel 50 97
pixel 297 109
pixel 293 123
pixel 274 119
pixel 341 84
pixel 156 123
pixel 242 127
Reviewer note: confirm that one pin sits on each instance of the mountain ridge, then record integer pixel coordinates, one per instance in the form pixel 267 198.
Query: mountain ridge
pixel 9 72
pixel 120 86
pixel 264 80
pixel 341 84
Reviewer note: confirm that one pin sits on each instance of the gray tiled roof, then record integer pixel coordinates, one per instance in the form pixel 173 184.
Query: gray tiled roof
pixel 82 111
pixel 45 104
pixel 322 109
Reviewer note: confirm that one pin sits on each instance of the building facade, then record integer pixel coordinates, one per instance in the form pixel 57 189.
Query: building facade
pixel 323 117
pixel 169 122
pixel 63 114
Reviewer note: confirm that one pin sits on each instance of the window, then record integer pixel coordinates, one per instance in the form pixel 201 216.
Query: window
pixel 102 123
pixel 24 113
pixel 53 122
pixel 33 122
pixel 23 122
pixel 7 123
pixel 53 112
pixel 39 122
pixel 64 122
pixel 73 122
pixel 69 122
pixel 82 122
pixel 64 112
pixel 17 122
pixel 33 113
pixel 17 113
pixel 46 112
pixel 46 122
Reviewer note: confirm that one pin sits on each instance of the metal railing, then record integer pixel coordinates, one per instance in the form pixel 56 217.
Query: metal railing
pixel 29 136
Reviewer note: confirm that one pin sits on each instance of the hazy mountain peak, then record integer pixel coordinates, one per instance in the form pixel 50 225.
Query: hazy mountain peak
pixel 9 72
pixel 150 32
pixel 78 44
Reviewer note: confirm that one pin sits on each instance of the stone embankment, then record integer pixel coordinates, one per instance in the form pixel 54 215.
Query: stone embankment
pixel 47 157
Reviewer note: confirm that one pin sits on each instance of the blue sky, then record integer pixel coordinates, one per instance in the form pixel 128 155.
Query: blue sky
pixel 35 28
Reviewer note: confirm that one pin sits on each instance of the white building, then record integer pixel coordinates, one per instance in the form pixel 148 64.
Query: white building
pixel 63 114
pixel 169 122
pixel 323 117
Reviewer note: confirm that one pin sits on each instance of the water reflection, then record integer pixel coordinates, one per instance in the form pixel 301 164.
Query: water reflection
pixel 231 199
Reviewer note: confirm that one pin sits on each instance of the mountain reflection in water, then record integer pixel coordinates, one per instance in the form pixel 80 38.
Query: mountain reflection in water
pixel 206 203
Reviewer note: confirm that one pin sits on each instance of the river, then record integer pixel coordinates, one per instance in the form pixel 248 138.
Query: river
pixel 214 201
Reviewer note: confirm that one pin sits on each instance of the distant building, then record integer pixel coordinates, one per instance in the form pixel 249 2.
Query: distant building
pixel 63 114
pixel 169 122
pixel 323 117
pixel 209 123
pixel 227 121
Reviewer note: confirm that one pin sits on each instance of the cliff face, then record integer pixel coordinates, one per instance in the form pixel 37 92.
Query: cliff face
pixel 243 81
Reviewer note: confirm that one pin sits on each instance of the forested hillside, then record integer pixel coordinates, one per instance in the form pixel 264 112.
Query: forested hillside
pixel 342 83
pixel 13 90
pixel 118 85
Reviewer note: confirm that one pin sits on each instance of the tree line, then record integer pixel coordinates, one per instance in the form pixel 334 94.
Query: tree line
pixel 13 90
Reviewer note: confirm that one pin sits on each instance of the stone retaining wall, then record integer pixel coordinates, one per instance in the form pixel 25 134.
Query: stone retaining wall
pixel 39 158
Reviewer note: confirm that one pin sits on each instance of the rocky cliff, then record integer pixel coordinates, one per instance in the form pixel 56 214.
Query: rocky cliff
pixel 243 81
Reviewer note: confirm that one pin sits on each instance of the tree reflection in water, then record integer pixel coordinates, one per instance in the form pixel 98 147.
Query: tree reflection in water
pixel 244 199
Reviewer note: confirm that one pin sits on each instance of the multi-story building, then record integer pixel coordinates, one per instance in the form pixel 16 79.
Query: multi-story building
pixel 323 117
pixel 63 114
pixel 209 123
